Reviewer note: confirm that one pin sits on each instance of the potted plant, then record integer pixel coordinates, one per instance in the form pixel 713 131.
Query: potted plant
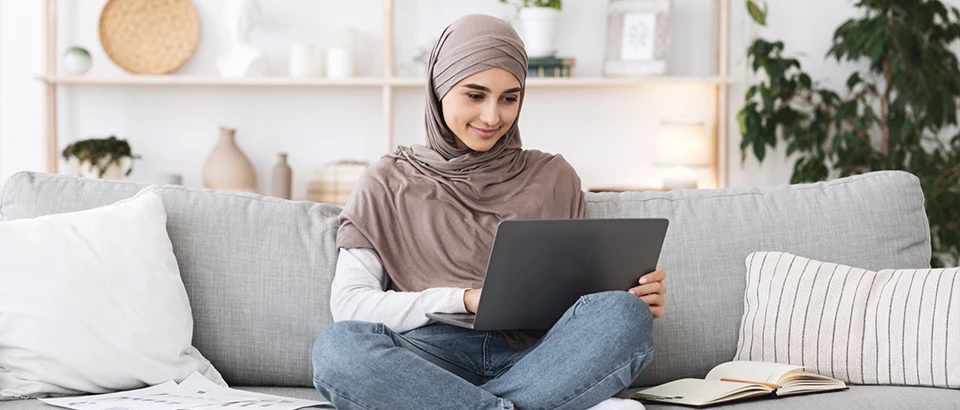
pixel 539 19
pixel 101 158
pixel 898 113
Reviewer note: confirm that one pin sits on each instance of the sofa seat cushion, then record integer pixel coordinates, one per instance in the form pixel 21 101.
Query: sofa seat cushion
pixel 857 398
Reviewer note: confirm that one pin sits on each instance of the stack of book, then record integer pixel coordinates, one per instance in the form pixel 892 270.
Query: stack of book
pixel 333 183
pixel 550 66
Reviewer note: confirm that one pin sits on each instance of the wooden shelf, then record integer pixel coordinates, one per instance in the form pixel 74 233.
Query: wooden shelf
pixel 627 189
pixel 202 81
pixel 186 80
pixel 591 81
pixel 388 82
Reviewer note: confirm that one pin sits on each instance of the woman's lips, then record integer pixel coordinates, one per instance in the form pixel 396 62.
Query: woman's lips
pixel 483 132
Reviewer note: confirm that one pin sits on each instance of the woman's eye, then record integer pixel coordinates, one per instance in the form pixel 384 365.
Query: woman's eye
pixel 510 99
pixel 475 97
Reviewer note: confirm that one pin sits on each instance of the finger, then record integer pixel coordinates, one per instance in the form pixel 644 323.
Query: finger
pixel 653 300
pixel 655 276
pixel 656 311
pixel 656 287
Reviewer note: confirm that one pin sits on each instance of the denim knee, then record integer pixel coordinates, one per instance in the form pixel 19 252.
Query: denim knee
pixel 624 313
pixel 336 346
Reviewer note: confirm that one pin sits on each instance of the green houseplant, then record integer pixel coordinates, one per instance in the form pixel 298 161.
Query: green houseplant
pixel 895 115
pixel 96 156
pixel 554 4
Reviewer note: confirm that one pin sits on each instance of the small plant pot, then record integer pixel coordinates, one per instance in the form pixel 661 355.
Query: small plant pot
pixel 114 171
pixel 540 30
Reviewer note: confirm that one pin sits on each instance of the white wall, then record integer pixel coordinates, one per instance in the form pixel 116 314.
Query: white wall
pixel 607 134
pixel 22 140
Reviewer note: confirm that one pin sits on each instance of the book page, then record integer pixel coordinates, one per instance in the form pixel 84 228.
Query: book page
pixel 697 392
pixel 798 382
pixel 758 372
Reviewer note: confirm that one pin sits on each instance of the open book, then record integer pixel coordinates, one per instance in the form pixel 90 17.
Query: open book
pixel 738 380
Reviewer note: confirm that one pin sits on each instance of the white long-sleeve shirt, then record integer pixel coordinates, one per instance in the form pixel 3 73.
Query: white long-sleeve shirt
pixel 359 292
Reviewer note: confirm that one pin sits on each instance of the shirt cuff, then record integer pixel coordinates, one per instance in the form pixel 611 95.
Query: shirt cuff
pixel 456 301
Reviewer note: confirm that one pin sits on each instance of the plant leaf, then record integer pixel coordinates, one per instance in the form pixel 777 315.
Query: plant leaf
pixel 759 150
pixel 758 15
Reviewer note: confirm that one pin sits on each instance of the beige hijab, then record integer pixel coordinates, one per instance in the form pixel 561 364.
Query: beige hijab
pixel 430 212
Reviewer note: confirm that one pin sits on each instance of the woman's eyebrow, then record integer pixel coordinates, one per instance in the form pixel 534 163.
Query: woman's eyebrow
pixel 482 88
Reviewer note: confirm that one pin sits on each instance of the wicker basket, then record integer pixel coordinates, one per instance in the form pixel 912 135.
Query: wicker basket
pixel 149 36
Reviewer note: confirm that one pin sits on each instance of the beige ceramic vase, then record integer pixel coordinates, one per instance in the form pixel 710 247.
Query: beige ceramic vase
pixel 227 168
pixel 281 178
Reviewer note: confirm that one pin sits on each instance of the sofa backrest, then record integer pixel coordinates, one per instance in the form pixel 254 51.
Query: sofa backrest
pixel 258 269
pixel 871 221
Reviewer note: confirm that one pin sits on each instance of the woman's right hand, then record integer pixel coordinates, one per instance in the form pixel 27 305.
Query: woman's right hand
pixel 471 298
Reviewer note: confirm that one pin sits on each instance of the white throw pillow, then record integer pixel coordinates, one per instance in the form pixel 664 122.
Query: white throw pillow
pixel 92 302
pixel 896 327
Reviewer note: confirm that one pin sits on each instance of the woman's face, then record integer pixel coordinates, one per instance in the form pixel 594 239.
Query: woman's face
pixel 481 108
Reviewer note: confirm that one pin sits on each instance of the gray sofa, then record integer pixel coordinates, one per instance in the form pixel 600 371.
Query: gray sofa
pixel 258 269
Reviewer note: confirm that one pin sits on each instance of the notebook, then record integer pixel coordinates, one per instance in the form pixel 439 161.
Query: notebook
pixel 737 380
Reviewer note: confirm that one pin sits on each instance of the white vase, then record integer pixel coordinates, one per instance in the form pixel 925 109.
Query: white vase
pixel 539 30
pixel 114 171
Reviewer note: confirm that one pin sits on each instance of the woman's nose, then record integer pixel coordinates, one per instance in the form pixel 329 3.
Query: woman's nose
pixel 490 115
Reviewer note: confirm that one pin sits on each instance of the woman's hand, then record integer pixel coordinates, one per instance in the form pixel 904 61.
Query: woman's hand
pixel 653 291
pixel 471 298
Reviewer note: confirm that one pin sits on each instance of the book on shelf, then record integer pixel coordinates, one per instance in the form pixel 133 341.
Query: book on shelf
pixel 738 380
pixel 550 66
pixel 550 61
pixel 554 71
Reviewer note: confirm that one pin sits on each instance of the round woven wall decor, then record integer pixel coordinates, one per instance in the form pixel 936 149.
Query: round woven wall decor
pixel 149 36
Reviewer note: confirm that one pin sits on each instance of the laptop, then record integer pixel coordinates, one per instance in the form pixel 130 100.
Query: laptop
pixel 539 268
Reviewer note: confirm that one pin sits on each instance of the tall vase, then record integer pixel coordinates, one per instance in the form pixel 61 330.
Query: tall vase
pixel 227 168
pixel 281 179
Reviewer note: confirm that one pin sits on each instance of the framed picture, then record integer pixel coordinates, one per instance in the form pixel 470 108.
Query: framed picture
pixel 638 37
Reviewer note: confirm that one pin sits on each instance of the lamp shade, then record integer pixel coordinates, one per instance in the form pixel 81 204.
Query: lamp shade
pixel 682 143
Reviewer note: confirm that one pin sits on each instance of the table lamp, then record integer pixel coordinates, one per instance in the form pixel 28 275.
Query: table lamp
pixel 681 145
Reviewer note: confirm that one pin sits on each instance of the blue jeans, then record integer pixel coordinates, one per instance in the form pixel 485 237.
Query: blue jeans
pixel 592 353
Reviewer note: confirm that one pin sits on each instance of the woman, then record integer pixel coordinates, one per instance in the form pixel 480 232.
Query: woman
pixel 415 238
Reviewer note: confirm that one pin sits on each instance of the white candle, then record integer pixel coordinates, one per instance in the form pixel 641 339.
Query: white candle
pixel 303 61
pixel 340 63
pixel 343 37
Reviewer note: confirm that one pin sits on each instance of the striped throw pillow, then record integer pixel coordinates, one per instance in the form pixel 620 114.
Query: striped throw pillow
pixel 892 327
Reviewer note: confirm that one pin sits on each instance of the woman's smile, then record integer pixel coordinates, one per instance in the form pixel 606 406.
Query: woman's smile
pixel 484 132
